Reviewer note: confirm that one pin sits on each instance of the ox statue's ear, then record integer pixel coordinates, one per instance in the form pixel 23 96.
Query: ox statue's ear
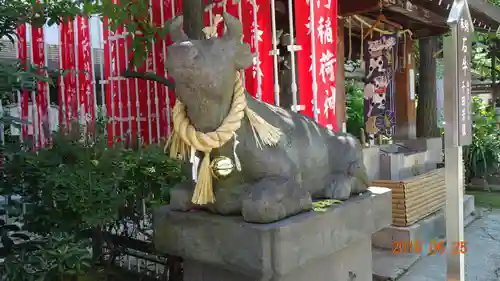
pixel 234 29
pixel 244 56
pixel 234 32
pixel 176 32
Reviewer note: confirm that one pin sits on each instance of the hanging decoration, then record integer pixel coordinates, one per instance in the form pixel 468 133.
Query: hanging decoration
pixel 380 61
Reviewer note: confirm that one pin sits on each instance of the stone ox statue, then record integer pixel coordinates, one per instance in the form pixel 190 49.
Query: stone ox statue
pixel 274 181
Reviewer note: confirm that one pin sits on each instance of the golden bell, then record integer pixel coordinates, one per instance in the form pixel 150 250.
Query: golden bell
pixel 221 167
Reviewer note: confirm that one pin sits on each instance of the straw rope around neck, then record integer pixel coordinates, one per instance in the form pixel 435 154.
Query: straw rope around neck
pixel 186 140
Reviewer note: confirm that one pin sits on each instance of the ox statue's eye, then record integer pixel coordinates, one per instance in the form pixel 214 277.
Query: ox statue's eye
pixel 193 53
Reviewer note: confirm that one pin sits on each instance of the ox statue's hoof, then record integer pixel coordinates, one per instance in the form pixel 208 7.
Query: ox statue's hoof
pixel 273 199
pixel 180 197
pixel 340 188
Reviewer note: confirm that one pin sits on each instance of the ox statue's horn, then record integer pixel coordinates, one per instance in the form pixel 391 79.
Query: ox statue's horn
pixel 234 27
pixel 176 32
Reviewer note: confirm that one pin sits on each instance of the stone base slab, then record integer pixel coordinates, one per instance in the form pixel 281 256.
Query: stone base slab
pixel 319 246
pixel 350 264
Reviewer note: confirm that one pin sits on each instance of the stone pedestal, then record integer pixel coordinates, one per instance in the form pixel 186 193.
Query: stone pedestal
pixel 320 246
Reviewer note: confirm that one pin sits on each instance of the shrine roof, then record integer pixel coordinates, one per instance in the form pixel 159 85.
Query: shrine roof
pixel 423 17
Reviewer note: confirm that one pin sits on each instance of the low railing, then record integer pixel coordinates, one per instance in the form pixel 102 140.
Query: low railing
pixel 130 249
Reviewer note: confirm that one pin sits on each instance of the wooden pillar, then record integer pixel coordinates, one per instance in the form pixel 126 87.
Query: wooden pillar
pixel 340 106
pixel 406 111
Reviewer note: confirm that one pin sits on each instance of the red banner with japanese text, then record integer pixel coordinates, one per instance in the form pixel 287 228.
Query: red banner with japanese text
pixel 22 55
pixel 326 61
pixel 256 20
pixel 324 30
pixel 42 97
pixel 69 104
pixel 85 75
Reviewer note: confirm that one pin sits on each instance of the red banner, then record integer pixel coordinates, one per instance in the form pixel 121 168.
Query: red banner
pixel 112 103
pixel 42 102
pixel 22 55
pixel 257 32
pixel 85 75
pixel 326 61
pixel 61 93
pixel 70 98
pixel 304 62
pixel 121 92
pixel 324 28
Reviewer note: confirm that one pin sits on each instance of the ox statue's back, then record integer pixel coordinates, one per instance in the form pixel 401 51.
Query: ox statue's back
pixel 263 182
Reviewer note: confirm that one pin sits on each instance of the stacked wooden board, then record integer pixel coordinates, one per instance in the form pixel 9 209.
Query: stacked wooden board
pixel 416 197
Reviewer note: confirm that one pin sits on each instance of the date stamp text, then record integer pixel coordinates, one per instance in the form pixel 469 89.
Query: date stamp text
pixel 429 248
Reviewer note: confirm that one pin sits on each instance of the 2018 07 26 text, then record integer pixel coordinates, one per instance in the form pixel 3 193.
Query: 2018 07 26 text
pixel 428 248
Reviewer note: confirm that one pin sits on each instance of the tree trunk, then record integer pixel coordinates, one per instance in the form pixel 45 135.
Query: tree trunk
pixel 427 96
pixel 193 18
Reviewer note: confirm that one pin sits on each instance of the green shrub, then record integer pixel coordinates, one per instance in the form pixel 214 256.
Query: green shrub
pixel 57 258
pixel 78 184
pixel 482 157
pixel 355 108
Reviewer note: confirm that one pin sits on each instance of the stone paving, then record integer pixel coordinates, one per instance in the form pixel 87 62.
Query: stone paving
pixel 482 259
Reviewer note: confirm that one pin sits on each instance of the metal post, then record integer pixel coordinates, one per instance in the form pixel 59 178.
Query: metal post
pixel 458 132
pixel 292 49
pixel 275 53
pixel 102 80
pixel 92 65
pixel 164 53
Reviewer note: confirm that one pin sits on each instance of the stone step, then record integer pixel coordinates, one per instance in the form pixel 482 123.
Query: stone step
pixel 388 266
pixel 427 229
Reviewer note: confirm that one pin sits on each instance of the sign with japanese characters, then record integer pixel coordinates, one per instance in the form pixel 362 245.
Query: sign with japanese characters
pixel 323 27
pixel 464 50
